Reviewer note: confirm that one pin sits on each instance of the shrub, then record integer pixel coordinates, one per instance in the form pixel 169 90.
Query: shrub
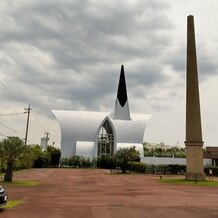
pixel 125 155
pixel 64 162
pixel 166 169
pixel 106 162
pixel 77 162
pixel 214 169
pixel 137 167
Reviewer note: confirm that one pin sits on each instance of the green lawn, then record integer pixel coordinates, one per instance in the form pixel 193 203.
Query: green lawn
pixel 30 183
pixel 12 203
pixel 187 182
pixel 26 183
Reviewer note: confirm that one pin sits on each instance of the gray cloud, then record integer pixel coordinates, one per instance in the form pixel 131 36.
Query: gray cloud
pixel 207 65
pixel 63 51
pixel 61 54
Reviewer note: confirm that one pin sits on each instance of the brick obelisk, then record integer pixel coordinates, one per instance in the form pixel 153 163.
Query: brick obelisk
pixel 194 143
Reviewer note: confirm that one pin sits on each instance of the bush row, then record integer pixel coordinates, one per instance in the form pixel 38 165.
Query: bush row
pixel 108 162
pixel 150 168
pixel 77 162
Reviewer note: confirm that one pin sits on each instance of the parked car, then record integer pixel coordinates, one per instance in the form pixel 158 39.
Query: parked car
pixel 3 196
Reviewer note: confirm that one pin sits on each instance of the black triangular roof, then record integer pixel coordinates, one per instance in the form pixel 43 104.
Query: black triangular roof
pixel 121 93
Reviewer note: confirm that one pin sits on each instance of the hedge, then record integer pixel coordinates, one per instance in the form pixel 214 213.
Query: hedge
pixel 214 170
pixel 139 167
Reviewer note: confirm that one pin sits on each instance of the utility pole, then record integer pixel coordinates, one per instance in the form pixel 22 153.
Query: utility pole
pixel 47 133
pixel 27 110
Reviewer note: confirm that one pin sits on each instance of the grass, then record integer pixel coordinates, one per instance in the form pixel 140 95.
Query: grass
pixel 12 203
pixel 29 183
pixel 25 183
pixel 187 182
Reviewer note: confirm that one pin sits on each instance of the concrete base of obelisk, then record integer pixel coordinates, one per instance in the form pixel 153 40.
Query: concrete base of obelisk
pixel 194 162
pixel 195 176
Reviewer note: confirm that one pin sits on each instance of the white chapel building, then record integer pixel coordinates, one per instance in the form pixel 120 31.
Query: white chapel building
pixel 92 134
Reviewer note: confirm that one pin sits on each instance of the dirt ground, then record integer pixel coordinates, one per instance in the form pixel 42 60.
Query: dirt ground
pixel 84 193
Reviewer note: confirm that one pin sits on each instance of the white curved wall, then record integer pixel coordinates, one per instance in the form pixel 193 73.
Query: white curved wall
pixel 85 149
pixel 131 131
pixel 77 126
pixel 80 129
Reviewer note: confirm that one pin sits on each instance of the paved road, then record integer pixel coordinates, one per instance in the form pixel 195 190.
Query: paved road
pixel 88 193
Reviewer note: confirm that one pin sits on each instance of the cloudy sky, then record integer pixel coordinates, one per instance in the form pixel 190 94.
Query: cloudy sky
pixel 66 54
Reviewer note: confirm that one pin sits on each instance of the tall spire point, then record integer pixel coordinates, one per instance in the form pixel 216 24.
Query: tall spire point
pixel 121 106
pixel 122 93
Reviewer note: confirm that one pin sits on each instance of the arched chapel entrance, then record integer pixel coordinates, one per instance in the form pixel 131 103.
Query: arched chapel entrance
pixel 106 140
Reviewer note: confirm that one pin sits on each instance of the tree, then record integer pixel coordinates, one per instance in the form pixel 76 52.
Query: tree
pixel 2 159
pixel 43 158
pixel 177 152
pixel 25 160
pixel 40 157
pixel 11 149
pixel 55 155
pixel 124 155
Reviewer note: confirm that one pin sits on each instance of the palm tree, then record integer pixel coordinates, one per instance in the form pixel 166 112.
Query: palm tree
pixel 11 149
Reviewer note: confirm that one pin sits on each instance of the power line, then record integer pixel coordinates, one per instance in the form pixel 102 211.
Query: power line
pixel 10 95
pixel 3 135
pixel 7 92
pixel 37 121
pixel 11 129
pixel 8 127
pixel 11 114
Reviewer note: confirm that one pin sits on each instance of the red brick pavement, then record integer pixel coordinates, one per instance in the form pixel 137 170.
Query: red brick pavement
pixel 91 193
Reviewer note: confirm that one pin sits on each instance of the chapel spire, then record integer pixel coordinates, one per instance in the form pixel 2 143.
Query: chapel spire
pixel 121 111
